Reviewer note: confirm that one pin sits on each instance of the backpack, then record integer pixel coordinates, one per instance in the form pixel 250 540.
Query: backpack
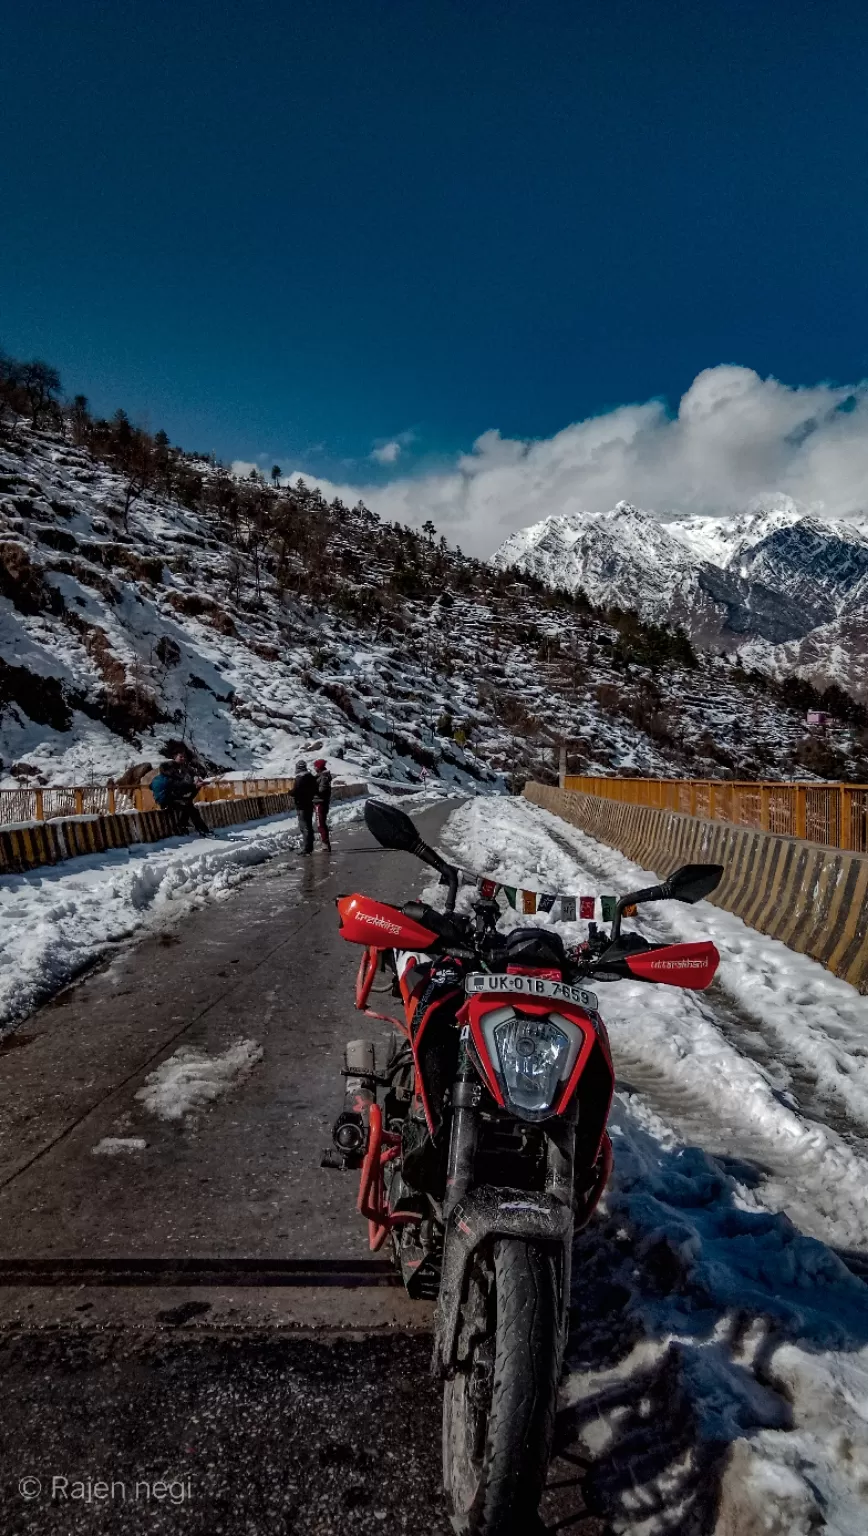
pixel 161 789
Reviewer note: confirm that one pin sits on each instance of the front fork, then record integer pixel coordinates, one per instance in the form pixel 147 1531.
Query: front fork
pixel 464 1134
pixel 560 1185
pixel 472 1216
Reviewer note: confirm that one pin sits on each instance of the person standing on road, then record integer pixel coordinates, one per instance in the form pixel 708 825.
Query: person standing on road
pixel 322 800
pixel 304 794
pixel 174 789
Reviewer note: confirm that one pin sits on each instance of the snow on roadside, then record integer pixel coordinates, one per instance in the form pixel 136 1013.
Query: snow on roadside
pixel 718 1370
pixel 818 1019
pixel 674 1040
pixel 56 920
pixel 189 1079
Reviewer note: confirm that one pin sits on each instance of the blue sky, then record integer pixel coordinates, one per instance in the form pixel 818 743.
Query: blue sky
pixel 308 228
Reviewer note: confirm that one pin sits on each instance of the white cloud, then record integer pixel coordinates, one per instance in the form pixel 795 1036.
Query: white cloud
pixel 387 453
pixel 735 437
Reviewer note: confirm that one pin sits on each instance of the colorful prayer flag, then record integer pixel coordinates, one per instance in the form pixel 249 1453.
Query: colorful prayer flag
pixel 607 907
pixel 546 901
pixel 568 909
pixel 586 906
pixel 488 888
pixel 509 892
pixel 528 902
pixel 631 910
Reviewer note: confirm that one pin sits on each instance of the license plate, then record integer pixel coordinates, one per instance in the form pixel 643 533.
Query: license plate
pixel 530 986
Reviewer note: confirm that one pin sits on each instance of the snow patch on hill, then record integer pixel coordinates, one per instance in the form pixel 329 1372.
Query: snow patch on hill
pixel 114 638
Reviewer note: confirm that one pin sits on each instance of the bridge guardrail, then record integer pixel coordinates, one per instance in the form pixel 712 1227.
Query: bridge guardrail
pixel 832 814
pixel 53 802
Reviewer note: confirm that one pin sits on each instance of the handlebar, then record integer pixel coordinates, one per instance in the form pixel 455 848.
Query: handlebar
pixel 601 960
pixel 448 925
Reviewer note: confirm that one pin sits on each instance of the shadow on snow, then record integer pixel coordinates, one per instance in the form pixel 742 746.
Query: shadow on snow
pixel 680 1299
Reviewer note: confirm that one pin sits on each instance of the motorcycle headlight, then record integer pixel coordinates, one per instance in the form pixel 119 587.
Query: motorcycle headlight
pixel 533 1055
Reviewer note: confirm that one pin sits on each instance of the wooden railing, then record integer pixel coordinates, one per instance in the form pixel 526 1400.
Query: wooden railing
pixel 835 814
pixel 53 801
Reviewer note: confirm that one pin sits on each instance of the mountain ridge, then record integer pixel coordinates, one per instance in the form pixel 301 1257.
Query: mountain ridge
pixel 789 588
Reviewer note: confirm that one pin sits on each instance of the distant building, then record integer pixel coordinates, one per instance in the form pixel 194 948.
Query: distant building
pixel 819 719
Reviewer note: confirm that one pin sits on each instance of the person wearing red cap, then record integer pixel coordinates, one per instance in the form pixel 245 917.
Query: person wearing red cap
pixel 322 800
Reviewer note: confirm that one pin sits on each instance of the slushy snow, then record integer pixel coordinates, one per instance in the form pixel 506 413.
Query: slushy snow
pixel 119 1146
pixel 190 1079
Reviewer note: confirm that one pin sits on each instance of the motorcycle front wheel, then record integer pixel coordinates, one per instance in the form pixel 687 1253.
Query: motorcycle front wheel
pixel 499 1406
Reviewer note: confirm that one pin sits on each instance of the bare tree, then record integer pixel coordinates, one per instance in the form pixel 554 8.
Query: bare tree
pixel 78 414
pixel 139 464
pixel 41 385
pixel 12 397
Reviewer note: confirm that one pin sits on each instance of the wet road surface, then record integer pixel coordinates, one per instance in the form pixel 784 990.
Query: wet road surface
pixel 282 1386
pixel 241 1176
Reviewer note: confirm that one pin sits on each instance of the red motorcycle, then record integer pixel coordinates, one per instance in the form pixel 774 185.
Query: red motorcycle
pixel 482 1146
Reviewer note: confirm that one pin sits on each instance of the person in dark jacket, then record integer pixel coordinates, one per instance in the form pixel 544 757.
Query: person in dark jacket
pixel 322 800
pixel 304 794
pixel 175 789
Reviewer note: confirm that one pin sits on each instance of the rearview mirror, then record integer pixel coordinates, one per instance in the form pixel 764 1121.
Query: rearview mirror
pixel 690 883
pixel 392 828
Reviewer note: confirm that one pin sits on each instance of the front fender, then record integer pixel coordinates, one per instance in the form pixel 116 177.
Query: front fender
pixel 484 1213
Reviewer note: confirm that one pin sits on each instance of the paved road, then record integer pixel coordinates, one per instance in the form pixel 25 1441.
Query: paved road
pixel 242 1177
pixel 301 1408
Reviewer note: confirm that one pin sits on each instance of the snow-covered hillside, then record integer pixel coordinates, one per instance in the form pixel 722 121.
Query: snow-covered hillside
pixel 315 628
pixel 791 586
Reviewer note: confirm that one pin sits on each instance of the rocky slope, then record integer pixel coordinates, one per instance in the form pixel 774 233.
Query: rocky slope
pixel 316 628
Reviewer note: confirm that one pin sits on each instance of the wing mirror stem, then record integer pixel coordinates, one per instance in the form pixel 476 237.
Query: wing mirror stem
pixel 447 872
pixel 651 893
pixel 689 884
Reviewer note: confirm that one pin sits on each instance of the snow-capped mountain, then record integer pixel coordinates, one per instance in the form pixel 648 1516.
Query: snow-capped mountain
pixel 769 579
pixel 305 627
pixel 720 540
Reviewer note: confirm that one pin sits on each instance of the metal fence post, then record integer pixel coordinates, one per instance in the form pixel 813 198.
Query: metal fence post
pixel 765 799
pixel 40 805
pixel 801 825
pixel 845 814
